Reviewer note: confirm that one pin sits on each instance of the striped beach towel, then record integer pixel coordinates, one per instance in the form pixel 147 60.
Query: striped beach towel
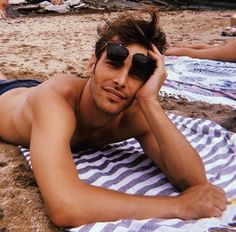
pixel 124 167
pixel 201 80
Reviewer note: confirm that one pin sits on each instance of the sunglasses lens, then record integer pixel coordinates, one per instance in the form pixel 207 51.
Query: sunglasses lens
pixel 143 66
pixel 117 53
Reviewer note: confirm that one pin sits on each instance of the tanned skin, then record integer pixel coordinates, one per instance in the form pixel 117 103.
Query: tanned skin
pixel 225 52
pixel 3 7
pixel 52 118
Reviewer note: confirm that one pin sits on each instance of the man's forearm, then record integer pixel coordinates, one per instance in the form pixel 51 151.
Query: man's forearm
pixel 91 204
pixel 180 162
pixel 84 204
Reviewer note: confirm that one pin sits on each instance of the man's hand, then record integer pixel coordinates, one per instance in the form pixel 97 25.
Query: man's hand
pixel 152 87
pixel 199 201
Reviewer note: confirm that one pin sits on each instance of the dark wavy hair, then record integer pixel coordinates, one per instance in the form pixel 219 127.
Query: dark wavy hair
pixel 141 27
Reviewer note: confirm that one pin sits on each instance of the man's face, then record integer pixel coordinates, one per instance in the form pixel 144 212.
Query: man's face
pixel 113 86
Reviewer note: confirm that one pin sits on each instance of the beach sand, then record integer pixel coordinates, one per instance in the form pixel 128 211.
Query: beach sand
pixel 42 45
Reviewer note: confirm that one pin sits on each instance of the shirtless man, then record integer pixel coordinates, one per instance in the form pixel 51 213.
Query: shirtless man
pixel 226 52
pixel 117 102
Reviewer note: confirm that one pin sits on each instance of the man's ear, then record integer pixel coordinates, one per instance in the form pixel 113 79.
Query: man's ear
pixel 91 65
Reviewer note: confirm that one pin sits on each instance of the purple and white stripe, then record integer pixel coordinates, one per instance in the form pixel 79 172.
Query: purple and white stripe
pixel 124 167
pixel 200 80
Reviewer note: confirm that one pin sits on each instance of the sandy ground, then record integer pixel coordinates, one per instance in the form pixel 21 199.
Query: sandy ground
pixel 41 46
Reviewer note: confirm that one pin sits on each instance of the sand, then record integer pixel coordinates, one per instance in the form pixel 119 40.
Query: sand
pixel 42 45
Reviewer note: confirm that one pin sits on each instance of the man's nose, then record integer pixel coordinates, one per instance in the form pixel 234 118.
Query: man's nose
pixel 121 78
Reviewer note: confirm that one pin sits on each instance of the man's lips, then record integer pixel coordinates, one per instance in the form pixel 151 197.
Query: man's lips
pixel 115 92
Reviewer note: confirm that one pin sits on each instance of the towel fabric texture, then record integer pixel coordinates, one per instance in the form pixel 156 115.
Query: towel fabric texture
pixel 201 80
pixel 124 167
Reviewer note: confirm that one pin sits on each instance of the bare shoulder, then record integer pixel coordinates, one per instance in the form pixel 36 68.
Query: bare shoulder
pixel 59 87
pixel 57 97
pixel 64 84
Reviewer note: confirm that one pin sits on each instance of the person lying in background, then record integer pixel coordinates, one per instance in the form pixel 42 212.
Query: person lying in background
pixel 5 3
pixel 225 52
pixel 3 7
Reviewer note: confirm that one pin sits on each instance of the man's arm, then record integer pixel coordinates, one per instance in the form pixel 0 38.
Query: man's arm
pixel 225 52
pixel 172 153
pixel 69 201
pixel 175 156
pixel 165 144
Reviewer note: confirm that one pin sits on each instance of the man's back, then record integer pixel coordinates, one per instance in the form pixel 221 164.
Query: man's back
pixel 17 105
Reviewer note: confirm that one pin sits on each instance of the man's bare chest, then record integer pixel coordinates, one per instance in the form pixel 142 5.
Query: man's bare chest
pixel 98 138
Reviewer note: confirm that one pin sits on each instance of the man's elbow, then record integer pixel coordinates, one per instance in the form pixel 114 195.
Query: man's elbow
pixel 185 183
pixel 63 214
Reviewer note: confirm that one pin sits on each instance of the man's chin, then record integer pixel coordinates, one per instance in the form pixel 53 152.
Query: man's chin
pixel 113 110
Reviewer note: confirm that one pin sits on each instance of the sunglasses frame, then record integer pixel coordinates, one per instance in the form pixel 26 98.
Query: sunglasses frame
pixel 136 68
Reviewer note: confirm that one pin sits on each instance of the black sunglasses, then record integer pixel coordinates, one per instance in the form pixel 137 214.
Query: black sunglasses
pixel 142 66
